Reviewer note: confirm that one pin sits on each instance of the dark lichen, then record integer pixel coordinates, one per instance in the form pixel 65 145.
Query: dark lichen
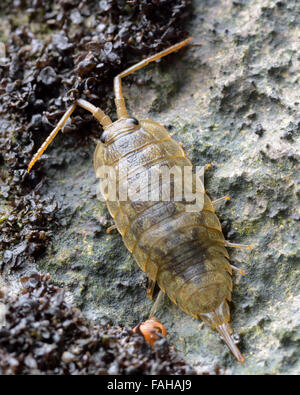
pixel 44 334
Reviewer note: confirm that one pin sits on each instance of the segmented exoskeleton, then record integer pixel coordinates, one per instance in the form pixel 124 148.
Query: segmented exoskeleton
pixel 182 251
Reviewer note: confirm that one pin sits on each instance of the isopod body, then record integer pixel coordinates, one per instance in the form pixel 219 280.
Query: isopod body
pixel 182 251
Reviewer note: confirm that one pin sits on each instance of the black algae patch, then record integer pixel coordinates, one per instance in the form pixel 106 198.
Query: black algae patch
pixel 25 225
pixel 50 54
pixel 45 335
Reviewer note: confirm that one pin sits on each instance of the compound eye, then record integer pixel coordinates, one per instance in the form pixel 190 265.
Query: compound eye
pixel 133 121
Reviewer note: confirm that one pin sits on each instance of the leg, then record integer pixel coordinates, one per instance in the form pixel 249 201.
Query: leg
pixel 220 200
pixel 96 141
pixel 97 113
pixel 150 289
pixel 151 284
pixel 238 270
pixel 108 230
pixel 119 99
pixel 234 245
pixel 159 298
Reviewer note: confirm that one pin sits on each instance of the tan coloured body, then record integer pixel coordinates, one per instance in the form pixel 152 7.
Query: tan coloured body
pixel 184 252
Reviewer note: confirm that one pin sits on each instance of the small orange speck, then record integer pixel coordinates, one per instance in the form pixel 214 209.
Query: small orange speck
pixel 150 330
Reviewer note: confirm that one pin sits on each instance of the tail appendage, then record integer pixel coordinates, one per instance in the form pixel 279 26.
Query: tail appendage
pixel 219 320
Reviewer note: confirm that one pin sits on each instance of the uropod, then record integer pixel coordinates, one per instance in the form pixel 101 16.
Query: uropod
pixel 181 250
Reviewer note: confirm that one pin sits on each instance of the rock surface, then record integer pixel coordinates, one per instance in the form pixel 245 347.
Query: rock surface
pixel 233 100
